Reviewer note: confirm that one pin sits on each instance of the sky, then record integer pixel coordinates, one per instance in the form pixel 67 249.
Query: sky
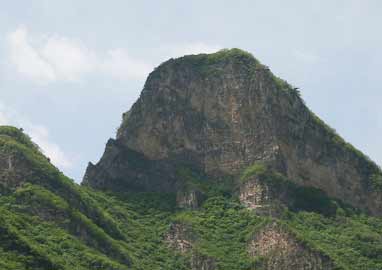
pixel 69 69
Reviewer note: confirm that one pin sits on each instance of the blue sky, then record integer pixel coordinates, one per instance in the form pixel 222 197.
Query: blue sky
pixel 69 69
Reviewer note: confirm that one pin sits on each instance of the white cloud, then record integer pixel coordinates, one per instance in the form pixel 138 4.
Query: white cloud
pixel 121 65
pixel 53 58
pixel 49 59
pixel 69 58
pixel 27 60
pixel 39 134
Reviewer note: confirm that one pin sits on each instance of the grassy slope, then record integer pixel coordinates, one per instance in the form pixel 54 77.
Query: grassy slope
pixel 57 224
pixel 52 223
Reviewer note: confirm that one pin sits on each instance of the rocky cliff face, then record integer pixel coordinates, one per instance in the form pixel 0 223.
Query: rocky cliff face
pixel 281 250
pixel 219 114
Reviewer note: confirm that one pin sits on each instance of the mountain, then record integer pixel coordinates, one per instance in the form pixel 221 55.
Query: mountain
pixel 218 165
pixel 220 114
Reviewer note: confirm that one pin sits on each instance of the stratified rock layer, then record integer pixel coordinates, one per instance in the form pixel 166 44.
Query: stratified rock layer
pixel 220 113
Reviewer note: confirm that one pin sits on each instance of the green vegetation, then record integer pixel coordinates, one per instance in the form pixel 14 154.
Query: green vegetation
pixel 18 135
pixel 286 192
pixel 42 245
pixel 218 57
pixel 48 222
pixel 67 238
pixel 210 188
pixel 222 229
pixel 352 241
pixel 259 168
pixel 144 219
pixel 211 64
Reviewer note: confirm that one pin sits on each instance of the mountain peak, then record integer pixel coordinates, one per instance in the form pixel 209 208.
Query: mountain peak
pixel 221 56
pixel 214 64
pixel 220 113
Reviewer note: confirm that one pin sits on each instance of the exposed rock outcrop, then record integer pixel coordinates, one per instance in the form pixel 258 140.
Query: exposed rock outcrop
pixel 220 113
pixel 281 250
pixel 254 195
pixel 189 199
pixel 122 168
pixel 181 239
pixel 9 178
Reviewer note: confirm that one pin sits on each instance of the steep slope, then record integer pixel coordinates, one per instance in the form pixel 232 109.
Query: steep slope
pixel 219 114
pixel 48 222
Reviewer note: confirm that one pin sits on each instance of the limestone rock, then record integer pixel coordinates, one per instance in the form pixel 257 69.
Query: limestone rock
pixel 189 199
pixel 254 195
pixel 220 113
pixel 181 239
pixel 281 250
